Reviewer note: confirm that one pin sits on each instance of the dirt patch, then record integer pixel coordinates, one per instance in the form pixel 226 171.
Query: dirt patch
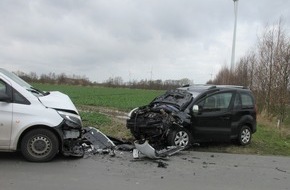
pixel 116 115
pixel 117 128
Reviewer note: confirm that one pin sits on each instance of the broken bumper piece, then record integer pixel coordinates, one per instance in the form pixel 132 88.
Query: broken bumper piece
pixel 93 141
pixel 147 150
pixel 98 141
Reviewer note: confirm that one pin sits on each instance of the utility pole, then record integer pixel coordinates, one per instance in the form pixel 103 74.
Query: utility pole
pixel 234 36
pixel 151 73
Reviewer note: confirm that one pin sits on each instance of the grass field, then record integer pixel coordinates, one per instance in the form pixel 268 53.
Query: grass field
pixel 268 140
pixel 119 98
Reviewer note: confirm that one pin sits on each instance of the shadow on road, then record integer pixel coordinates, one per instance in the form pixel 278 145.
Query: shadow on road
pixel 11 156
pixel 17 157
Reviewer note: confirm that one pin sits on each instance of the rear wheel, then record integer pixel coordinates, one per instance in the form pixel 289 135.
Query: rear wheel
pixel 245 135
pixel 39 145
pixel 180 137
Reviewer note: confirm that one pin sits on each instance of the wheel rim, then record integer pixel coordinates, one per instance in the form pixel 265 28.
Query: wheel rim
pixel 181 139
pixel 245 136
pixel 39 146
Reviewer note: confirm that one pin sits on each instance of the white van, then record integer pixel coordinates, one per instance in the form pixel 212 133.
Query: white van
pixel 39 124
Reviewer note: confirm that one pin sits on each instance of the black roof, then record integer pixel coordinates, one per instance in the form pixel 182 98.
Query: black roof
pixel 195 90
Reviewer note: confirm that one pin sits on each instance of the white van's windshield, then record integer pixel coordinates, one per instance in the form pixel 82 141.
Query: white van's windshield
pixel 15 78
pixel 22 83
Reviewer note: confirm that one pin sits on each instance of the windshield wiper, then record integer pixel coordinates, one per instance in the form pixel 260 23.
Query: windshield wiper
pixel 35 90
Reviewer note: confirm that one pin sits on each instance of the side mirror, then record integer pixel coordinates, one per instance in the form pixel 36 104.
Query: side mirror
pixel 4 97
pixel 195 109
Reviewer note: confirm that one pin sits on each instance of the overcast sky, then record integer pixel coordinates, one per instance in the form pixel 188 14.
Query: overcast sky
pixel 133 39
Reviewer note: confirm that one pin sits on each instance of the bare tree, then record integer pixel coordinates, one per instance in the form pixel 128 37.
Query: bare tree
pixel 266 71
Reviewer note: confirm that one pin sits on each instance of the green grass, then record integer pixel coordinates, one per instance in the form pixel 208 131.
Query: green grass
pixel 268 140
pixel 119 98
pixel 95 119
pixel 272 141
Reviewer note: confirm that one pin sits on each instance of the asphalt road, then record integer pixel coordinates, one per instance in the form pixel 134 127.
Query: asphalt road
pixel 186 170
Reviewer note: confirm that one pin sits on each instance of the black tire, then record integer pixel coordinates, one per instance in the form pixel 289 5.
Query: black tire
pixel 39 145
pixel 245 135
pixel 180 137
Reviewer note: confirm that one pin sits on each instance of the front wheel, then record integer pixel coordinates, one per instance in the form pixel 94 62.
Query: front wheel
pixel 180 137
pixel 39 145
pixel 245 135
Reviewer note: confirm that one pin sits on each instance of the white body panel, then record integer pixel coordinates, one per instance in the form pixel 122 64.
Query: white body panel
pixel 41 111
pixel 25 116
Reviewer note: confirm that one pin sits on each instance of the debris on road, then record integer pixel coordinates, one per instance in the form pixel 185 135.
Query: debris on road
pixel 162 165
pixel 122 145
pixel 94 141
pixel 147 150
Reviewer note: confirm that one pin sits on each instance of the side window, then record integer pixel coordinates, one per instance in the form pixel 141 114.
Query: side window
pixel 19 99
pixel 14 94
pixel 5 89
pixel 247 101
pixel 216 102
pixel 2 87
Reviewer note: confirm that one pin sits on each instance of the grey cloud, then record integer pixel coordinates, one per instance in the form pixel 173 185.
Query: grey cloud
pixel 103 38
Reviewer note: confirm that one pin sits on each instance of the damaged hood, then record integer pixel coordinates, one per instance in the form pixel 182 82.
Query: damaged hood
pixel 177 98
pixel 58 100
pixel 172 101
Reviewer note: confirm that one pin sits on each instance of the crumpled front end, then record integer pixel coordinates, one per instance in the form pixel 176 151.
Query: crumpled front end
pixel 71 131
pixel 78 140
pixel 154 123
pixel 88 139
pixel 146 123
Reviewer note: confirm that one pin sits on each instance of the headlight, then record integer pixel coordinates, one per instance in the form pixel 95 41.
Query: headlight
pixel 72 120
pixel 130 113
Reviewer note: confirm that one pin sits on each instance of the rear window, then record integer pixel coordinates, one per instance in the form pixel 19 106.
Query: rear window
pixel 247 100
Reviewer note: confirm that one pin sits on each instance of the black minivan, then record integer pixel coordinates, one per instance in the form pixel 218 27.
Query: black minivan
pixel 196 113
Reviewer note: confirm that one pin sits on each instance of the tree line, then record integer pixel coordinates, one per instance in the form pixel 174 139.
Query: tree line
pixel 114 82
pixel 147 84
pixel 53 78
pixel 265 70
